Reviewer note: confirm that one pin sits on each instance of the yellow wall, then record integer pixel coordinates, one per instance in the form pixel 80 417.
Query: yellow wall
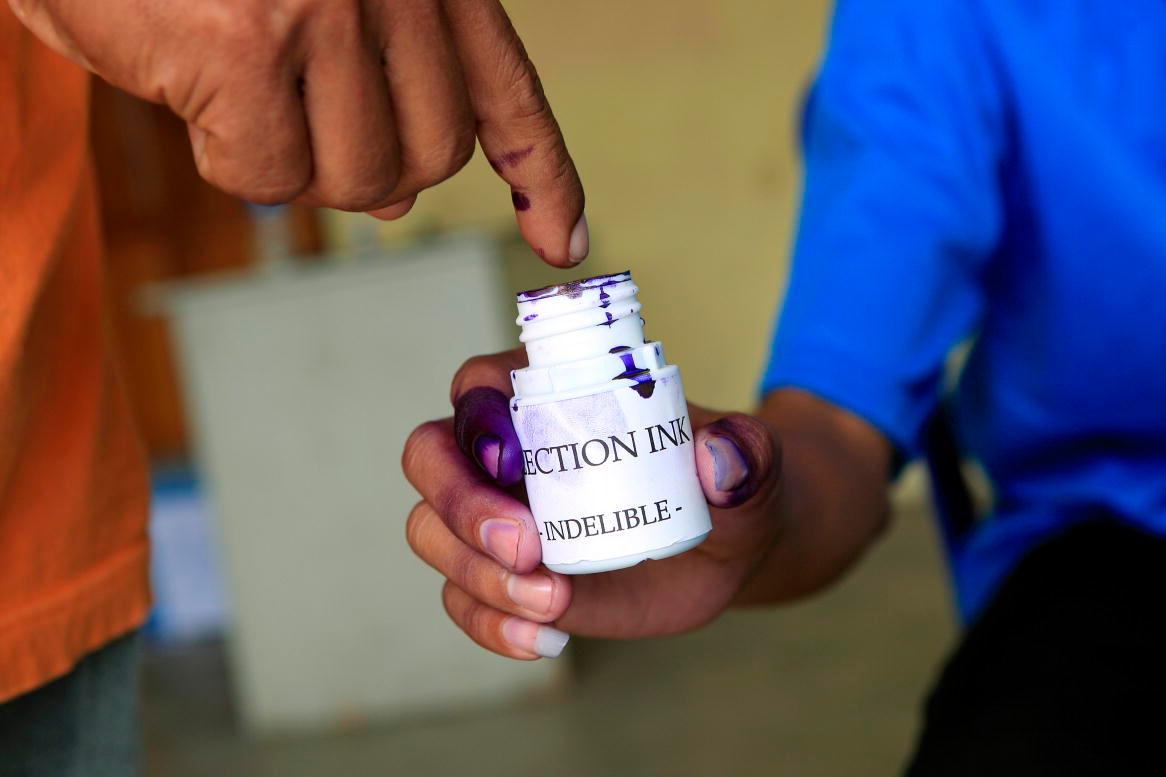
pixel 681 117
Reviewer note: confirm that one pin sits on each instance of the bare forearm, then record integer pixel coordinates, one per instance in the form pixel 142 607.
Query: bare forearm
pixel 833 499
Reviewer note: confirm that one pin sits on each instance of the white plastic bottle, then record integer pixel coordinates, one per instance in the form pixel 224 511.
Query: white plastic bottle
pixel 608 454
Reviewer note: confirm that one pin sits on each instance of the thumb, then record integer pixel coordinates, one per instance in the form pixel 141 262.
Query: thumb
pixel 484 432
pixel 46 27
pixel 738 460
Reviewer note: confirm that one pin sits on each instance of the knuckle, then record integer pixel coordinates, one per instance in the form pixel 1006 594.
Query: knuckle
pixel 266 192
pixel 525 99
pixel 233 166
pixel 261 184
pixel 463 570
pixel 415 523
pixel 528 104
pixel 528 99
pixel 330 17
pixel 249 29
pixel 451 602
pixel 442 159
pixel 456 508
pixel 356 198
pixel 420 444
pixel 477 619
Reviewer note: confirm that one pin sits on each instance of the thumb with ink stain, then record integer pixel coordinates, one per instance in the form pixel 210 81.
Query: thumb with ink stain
pixel 738 458
pixel 485 433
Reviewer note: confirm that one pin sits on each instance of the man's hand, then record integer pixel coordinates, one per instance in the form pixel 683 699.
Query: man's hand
pixel 350 104
pixel 473 529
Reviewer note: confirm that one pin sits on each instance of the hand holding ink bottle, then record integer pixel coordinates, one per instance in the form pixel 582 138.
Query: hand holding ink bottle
pixel 478 531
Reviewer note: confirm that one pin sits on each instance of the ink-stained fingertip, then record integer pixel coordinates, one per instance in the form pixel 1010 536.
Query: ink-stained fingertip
pixel 484 432
pixel 735 458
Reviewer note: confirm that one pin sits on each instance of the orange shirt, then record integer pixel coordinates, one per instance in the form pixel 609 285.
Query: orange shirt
pixel 73 487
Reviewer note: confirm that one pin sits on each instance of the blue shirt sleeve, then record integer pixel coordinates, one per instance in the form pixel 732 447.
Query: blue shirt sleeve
pixel 903 133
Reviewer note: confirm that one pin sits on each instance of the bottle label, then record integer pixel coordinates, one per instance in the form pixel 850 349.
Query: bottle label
pixel 612 474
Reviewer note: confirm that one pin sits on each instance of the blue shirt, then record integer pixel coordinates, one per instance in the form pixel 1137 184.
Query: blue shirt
pixel 993 172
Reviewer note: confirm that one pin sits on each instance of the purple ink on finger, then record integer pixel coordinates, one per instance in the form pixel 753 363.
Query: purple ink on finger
pixel 730 469
pixel 520 200
pixel 510 158
pixel 484 431
pixel 735 474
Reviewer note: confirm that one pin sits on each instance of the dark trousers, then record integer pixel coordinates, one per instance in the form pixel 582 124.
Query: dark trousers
pixel 84 724
pixel 1064 674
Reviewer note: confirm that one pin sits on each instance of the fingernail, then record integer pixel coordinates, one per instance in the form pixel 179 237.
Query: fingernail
pixel 580 241
pixel 533 592
pixel 500 538
pixel 730 469
pixel 488 452
pixel 534 638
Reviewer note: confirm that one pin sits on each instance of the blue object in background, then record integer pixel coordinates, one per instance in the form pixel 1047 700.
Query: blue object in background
pixel 189 591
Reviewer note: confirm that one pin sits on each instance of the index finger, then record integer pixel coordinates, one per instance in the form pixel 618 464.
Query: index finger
pixel 519 133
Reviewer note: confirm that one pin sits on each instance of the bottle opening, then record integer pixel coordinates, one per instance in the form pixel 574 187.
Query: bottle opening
pixel 575 289
pixel 580 319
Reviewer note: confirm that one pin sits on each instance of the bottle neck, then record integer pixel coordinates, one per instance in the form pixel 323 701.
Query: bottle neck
pixel 580 320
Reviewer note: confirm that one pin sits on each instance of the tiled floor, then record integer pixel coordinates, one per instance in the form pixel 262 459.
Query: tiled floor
pixel 828 688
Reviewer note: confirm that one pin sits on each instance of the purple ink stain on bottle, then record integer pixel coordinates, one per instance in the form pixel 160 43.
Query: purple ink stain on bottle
pixel 644 385
pixel 575 289
pixel 520 200
pixel 530 317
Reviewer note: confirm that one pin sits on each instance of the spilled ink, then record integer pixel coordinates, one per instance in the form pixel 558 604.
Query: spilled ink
pixel 644 385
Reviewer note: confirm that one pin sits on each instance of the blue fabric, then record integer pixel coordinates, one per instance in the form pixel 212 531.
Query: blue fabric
pixel 993 172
